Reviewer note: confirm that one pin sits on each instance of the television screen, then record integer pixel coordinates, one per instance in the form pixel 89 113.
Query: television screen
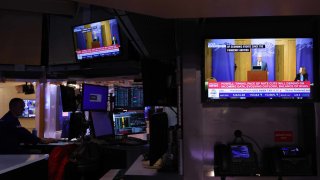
pixel 94 97
pixel 240 151
pixel 121 97
pixel 29 108
pixel 97 40
pixel 129 123
pixel 273 68
pixel 290 151
pixel 128 97
pixel 136 97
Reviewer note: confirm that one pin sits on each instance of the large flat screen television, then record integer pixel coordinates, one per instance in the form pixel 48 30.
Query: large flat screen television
pixel 97 40
pixel 94 97
pixel 256 68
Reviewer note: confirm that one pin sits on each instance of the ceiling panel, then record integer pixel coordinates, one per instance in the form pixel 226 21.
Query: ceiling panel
pixel 212 8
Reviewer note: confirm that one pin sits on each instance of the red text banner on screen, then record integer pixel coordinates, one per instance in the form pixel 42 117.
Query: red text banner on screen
pixel 95 51
pixel 217 90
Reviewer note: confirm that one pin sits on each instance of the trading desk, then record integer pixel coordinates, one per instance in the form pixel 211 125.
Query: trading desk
pixel 22 165
pixel 44 148
pixel 121 157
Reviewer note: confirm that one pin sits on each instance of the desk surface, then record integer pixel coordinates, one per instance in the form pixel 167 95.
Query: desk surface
pixel 137 168
pixel 58 143
pixel 10 162
pixel 138 171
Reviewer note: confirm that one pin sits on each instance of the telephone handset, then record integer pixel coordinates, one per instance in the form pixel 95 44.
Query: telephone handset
pixel 235 159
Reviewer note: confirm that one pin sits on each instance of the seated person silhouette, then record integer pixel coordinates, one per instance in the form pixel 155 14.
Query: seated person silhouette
pixel 302 75
pixel 11 131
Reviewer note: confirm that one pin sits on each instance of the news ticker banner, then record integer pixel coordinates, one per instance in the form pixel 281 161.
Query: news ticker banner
pixel 281 89
pixel 98 52
pixel 237 48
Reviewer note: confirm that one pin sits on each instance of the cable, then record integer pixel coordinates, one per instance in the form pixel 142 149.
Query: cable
pixel 238 134
pixel 255 142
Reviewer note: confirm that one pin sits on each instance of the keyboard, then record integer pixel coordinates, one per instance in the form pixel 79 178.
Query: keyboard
pixel 129 141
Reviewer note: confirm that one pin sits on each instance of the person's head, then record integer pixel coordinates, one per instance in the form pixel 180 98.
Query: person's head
pixel 259 57
pixel 303 70
pixel 16 106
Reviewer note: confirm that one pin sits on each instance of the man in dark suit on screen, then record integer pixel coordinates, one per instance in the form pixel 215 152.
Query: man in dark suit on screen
pixel 261 63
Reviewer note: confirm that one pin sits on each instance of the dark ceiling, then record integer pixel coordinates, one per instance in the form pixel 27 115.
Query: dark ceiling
pixel 176 8
pixel 163 9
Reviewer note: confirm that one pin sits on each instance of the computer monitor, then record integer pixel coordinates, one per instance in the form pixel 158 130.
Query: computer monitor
pixel 121 97
pixel 126 123
pixel 130 98
pixel 158 125
pixel 76 125
pixel 68 99
pixel 102 124
pixel 94 97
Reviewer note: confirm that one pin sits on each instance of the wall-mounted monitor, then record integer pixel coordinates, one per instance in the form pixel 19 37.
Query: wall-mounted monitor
pixel 94 97
pixel 97 40
pixel 256 68
pixel 29 108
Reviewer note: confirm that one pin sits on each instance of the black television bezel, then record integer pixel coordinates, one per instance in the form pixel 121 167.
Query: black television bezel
pixel 94 109
pixel 261 101
pixel 123 49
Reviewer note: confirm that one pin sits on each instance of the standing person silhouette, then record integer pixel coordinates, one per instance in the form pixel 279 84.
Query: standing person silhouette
pixel 260 62
pixel 302 75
